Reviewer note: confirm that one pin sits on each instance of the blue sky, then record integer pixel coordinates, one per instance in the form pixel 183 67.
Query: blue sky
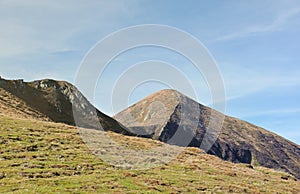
pixel 256 45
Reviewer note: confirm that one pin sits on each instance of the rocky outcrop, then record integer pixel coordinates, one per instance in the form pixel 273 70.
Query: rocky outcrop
pixel 166 113
pixel 60 102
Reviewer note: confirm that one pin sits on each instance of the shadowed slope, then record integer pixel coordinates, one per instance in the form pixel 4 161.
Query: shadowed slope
pixel 13 106
pixel 59 101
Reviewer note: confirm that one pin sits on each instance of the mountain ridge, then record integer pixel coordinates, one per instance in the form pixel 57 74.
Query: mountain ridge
pixel 60 101
pixel 239 141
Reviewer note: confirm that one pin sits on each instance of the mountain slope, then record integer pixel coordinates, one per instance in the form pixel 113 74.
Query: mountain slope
pixel 58 101
pixel 13 106
pixel 44 157
pixel 159 115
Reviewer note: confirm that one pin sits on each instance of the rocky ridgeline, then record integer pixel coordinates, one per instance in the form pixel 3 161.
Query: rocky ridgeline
pixel 70 93
pixel 60 101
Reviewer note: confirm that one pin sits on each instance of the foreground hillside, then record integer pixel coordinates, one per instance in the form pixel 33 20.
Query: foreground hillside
pixel 38 157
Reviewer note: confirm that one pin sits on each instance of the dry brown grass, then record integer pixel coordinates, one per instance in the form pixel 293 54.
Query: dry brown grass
pixel 45 157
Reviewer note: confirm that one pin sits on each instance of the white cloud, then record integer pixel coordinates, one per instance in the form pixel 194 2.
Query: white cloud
pixel 276 25
pixel 279 112
pixel 241 81
pixel 31 26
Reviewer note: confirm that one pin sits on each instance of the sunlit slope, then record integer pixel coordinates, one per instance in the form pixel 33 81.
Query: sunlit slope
pixel 44 157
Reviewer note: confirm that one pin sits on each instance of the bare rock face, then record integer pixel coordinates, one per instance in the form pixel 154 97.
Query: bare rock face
pixel 60 102
pixel 168 113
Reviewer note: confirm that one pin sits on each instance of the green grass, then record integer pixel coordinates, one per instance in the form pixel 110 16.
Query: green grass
pixel 44 157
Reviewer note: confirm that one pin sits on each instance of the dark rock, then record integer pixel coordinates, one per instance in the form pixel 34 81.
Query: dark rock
pixel 56 173
pixel 32 148
pixel 2 175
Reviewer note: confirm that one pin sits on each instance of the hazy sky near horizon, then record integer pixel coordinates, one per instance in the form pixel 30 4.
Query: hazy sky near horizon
pixel 256 45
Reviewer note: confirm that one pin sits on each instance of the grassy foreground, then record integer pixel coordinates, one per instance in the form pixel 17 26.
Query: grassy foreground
pixel 45 157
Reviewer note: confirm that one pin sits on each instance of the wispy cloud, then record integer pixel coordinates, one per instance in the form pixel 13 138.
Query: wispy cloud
pixel 47 26
pixel 279 112
pixel 276 25
pixel 241 81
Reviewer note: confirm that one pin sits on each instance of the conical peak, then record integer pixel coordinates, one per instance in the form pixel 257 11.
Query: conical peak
pixel 171 95
pixel 168 98
pixel 168 92
pixel 165 96
pixel 153 110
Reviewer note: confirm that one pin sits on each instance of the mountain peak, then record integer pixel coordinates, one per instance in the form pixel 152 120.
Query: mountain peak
pixel 165 113
pixel 151 113
pixel 167 93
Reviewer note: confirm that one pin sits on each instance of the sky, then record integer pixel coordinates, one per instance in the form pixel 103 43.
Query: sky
pixel 255 44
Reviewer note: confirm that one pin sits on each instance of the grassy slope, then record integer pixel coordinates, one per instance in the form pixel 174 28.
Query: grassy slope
pixel 44 157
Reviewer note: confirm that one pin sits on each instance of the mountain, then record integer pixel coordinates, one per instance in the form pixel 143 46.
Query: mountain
pixel 168 112
pixel 39 153
pixel 56 101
